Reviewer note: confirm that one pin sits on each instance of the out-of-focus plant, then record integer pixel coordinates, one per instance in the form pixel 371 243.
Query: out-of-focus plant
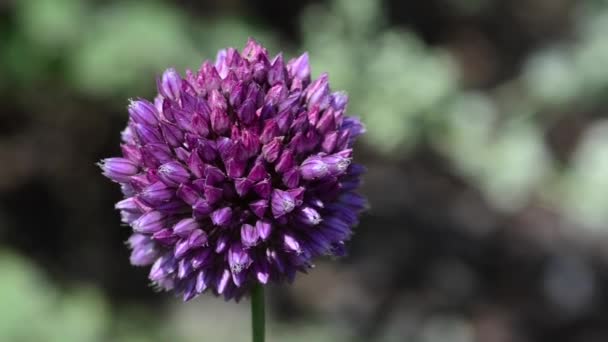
pixel 405 90
pixel 105 50
pixel 50 24
pixel 34 310
pixel 492 154
pixel 119 47
pixel 569 76
pixel 584 185
pixel 495 138
pixel 396 84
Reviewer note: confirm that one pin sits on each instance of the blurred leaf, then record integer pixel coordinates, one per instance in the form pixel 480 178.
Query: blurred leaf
pixel 551 78
pixel 128 44
pixel 394 82
pixel 23 62
pixel 586 183
pixel 52 23
pixel 496 157
pixel 34 311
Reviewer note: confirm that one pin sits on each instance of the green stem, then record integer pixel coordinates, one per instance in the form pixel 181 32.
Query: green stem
pixel 257 313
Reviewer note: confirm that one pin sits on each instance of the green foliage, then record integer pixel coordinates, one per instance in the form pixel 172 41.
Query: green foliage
pixel 405 91
pixel 394 82
pixel 34 310
pixel 52 24
pixel 495 156
pixel 118 47
pixel 115 48
pixel 583 188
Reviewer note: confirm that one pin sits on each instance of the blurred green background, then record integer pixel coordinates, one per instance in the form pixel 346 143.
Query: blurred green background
pixel 487 150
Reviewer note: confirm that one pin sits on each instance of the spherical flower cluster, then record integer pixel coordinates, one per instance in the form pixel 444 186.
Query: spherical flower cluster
pixel 236 174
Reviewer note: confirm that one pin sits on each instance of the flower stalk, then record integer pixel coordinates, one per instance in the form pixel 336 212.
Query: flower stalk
pixel 257 313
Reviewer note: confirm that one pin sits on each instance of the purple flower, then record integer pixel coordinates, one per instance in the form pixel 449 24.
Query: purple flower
pixel 239 173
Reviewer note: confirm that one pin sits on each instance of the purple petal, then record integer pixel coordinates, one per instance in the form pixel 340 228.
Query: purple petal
pixel 286 162
pixel 201 258
pixel 118 169
pixel 150 222
pixel 238 259
pixel 291 178
pixel 165 237
pixel 170 84
pixel 222 217
pixel 197 238
pixel 263 188
pixel 157 193
pixel 242 186
pixel 202 208
pixel 187 194
pixel 264 229
pixel 291 243
pixel 308 216
pixel 184 227
pixel 282 203
pixel 249 235
pixel 271 151
pixel 173 173
pixel 143 112
pixel 259 207
pixel 299 67
pixel 314 168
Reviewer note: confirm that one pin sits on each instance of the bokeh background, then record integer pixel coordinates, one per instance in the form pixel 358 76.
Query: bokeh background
pixel 487 150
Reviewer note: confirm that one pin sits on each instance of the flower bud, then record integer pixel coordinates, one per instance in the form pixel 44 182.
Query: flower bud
pixel 249 235
pixel 170 85
pixel 150 222
pixel 118 169
pixel 221 217
pixel 143 112
pixel 173 173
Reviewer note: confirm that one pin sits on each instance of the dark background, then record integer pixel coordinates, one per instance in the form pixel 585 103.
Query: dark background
pixel 487 151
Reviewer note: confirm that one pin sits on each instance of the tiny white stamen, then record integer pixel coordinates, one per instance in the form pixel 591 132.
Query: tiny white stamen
pixel 237 268
pixel 343 164
pixel 288 205
pixel 164 169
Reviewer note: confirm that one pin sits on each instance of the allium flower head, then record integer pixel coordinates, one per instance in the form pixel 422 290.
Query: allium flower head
pixel 238 173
